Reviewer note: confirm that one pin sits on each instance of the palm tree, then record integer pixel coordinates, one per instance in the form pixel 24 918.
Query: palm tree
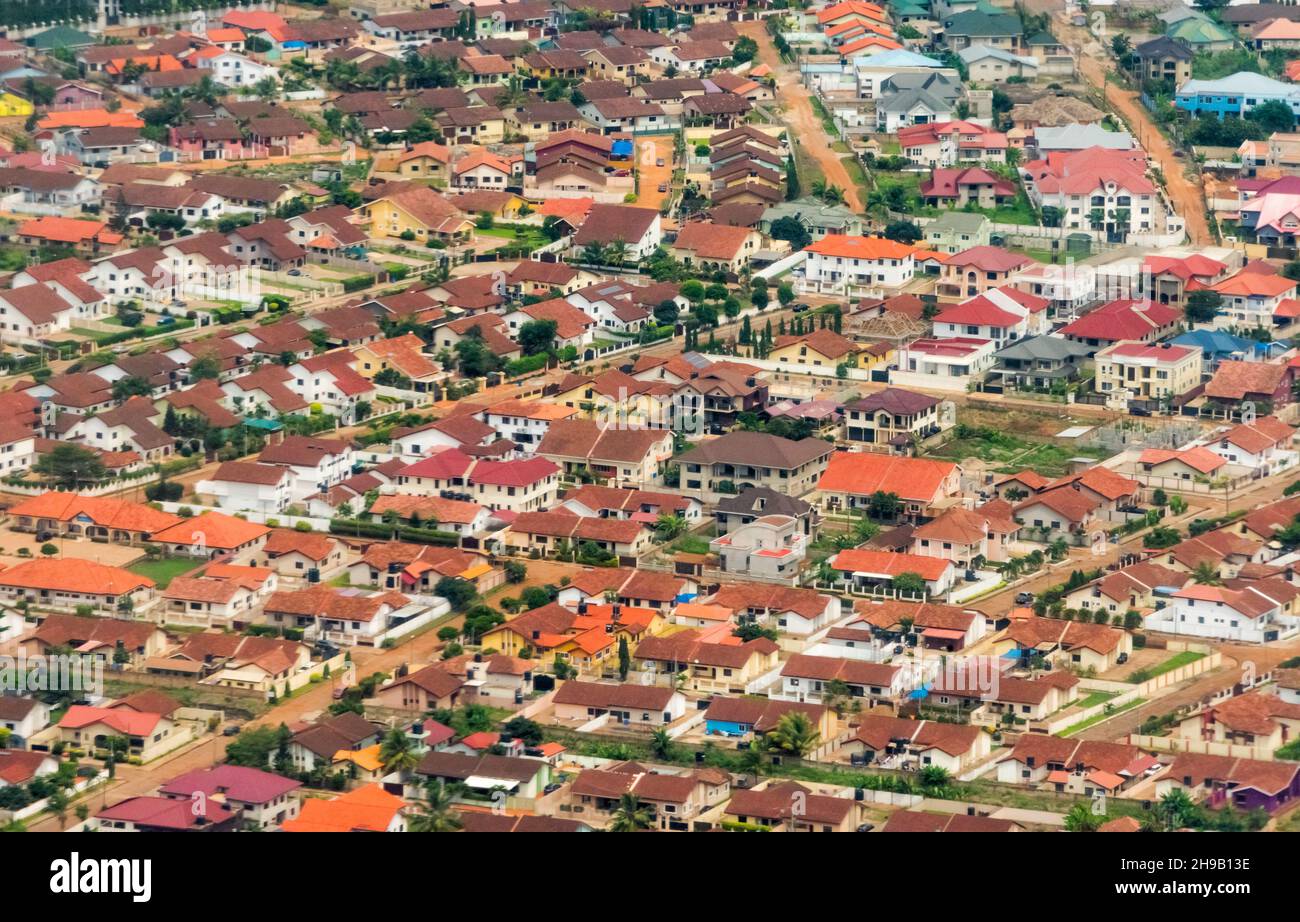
pixel 752 761
pixel 396 754
pixel 1177 809
pixel 669 526
pixel 661 744
pixel 630 816
pixel 1059 549
pixel 1082 819
pixel 1207 574
pixel 795 734
pixel 616 252
pixel 935 776
pixel 435 813
pixel 593 254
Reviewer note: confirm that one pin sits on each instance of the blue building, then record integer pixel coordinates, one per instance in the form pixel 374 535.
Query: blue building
pixel 1236 94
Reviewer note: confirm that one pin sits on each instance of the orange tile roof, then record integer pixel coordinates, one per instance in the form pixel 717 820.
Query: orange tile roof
pixel 885 563
pixel 864 473
pixel 90 118
pixel 850 247
pixel 1255 284
pixel 81 576
pixel 367 809
pixel 61 230
pixel 214 530
pixel 110 513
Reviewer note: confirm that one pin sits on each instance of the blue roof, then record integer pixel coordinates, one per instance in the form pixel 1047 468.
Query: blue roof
pixel 901 57
pixel 1213 341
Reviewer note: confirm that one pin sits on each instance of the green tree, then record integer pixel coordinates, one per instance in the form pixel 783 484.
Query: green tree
pixel 630 815
pixel 205 366
pixel 434 812
pixel 70 466
pixel 794 734
pixel 458 592
pixel 1082 819
pixel 537 336
pixel 1202 306
pixel 396 752
pixel 910 584
pixel 130 386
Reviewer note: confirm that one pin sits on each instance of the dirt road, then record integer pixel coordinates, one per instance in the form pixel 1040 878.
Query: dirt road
pixel 1186 195
pixel 803 125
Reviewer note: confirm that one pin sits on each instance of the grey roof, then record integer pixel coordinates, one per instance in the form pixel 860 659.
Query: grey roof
pixel 1082 137
pixel 1163 46
pixel 813 211
pixel 961 222
pixel 763 501
pixel 1178 13
pixel 938 84
pixel 972 53
pixel 908 100
pixel 1043 348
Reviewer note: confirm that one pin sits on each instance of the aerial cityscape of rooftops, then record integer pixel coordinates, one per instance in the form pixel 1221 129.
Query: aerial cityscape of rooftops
pixel 649 415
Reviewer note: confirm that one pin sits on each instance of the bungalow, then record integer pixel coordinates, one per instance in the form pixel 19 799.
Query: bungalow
pixel 893 742
pixel 1246 784
pixel 629 705
pixel 741 717
pixel 1087 768
pixel 711 668
pixel 806 678
pixel 852 478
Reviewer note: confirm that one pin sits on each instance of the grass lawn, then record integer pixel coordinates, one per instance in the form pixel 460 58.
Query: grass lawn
pixel 531 238
pixel 1094 699
pixel 166 569
pixel 1174 662
pixel 1104 715
pixel 691 544
pixel 1010 453
pixel 853 166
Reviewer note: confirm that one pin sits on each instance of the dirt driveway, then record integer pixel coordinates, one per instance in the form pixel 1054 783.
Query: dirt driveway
pixel 805 128
pixel 649 152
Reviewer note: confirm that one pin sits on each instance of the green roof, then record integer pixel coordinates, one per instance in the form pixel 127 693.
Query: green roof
pixel 1200 32
pixel 60 37
pixel 976 23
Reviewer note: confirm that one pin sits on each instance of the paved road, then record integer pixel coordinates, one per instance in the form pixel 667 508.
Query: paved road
pixel 1096 63
pixel 804 126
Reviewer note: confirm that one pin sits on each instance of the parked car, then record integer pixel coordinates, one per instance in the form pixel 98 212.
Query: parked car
pixel 659 162
pixel 1121 659
pixel 295 272
pixel 1024 598
pixel 663 187
pixel 230 730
